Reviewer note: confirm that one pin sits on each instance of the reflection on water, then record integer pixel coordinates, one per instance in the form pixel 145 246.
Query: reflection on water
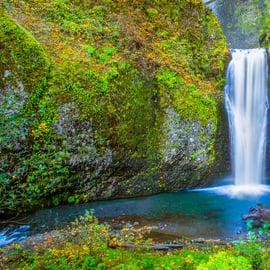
pixel 209 213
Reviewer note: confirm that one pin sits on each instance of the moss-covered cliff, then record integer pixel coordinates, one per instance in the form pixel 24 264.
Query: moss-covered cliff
pixel 265 42
pixel 265 30
pixel 107 99
pixel 241 21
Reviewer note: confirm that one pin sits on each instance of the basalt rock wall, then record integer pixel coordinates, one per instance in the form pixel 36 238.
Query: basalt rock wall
pixel 108 99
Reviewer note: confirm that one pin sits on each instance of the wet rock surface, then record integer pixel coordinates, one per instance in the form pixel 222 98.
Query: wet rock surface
pixel 259 213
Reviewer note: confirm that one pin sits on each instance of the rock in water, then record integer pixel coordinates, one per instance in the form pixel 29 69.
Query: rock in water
pixel 260 213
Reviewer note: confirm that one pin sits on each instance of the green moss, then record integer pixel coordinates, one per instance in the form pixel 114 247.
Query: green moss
pixel 241 22
pixel 265 31
pixel 264 36
pixel 22 53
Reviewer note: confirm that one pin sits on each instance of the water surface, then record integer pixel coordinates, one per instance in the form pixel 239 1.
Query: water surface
pixel 208 213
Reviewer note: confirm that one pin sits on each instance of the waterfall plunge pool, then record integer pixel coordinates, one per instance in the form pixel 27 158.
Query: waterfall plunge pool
pixel 208 213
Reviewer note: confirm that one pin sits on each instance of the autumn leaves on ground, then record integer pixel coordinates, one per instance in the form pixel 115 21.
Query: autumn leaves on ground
pixel 86 244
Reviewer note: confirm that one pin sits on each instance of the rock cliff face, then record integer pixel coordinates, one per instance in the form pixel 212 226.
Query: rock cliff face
pixel 264 38
pixel 108 99
pixel 241 21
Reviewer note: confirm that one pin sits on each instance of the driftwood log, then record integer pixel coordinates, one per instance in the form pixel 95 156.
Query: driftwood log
pixel 259 213
pixel 11 222
pixel 129 245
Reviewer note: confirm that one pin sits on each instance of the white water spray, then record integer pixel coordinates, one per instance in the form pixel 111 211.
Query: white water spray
pixel 246 104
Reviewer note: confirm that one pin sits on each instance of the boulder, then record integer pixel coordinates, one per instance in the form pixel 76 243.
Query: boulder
pixel 259 213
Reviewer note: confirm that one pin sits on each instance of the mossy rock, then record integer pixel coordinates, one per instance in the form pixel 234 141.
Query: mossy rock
pixel 122 74
pixel 21 54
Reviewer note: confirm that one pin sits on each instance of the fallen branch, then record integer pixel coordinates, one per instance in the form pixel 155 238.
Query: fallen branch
pixel 13 222
pixel 130 245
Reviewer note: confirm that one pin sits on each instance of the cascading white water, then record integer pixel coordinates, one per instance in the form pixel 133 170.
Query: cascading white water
pixel 246 104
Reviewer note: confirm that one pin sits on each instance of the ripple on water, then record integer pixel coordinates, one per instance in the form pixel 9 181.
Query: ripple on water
pixel 13 233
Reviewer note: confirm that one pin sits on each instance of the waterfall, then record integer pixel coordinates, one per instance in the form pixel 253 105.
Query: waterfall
pixel 246 104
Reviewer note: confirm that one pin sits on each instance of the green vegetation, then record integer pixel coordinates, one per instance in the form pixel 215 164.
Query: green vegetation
pixel 265 31
pixel 97 113
pixel 264 36
pixel 23 54
pixel 241 22
pixel 86 244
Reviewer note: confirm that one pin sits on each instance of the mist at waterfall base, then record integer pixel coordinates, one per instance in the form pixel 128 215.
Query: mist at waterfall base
pixel 213 212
